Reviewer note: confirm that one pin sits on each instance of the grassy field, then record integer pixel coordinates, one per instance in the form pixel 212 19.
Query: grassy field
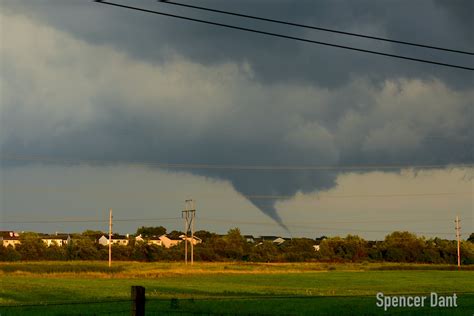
pixel 90 288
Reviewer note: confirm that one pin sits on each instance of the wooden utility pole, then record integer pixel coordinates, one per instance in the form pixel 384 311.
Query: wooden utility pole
pixel 458 237
pixel 184 214
pixel 192 233
pixel 110 238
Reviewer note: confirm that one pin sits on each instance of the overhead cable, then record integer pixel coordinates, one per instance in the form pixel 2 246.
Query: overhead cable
pixel 287 36
pixel 324 29
pixel 232 167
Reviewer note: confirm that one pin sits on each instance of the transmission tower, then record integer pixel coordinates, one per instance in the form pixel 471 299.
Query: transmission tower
pixel 189 216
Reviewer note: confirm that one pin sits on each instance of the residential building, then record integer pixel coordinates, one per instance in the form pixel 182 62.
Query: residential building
pixel 167 242
pixel 155 241
pixel 56 240
pixel 249 238
pixel 139 238
pixel 275 239
pixel 9 238
pixel 116 240
pixel 195 240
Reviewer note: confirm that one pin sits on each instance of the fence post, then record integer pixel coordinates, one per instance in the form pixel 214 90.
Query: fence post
pixel 138 301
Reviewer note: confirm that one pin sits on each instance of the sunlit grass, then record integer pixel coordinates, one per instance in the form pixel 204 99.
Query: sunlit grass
pixel 268 288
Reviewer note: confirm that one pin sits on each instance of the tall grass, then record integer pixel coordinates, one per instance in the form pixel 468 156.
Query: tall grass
pixel 141 269
pixel 63 267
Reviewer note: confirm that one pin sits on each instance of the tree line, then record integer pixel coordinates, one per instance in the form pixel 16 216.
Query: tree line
pixel 396 247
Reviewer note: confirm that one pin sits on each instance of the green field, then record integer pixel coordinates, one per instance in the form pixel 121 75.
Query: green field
pixel 88 288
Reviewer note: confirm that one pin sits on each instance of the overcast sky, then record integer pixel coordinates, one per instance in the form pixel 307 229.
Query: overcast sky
pixel 82 81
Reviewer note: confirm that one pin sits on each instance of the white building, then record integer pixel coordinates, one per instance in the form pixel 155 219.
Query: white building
pixel 116 240
pixel 167 242
pixel 9 238
pixel 56 240
pixel 195 240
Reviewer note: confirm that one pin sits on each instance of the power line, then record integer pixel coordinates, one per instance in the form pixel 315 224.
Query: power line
pixel 8 157
pixel 287 36
pixel 320 228
pixel 66 220
pixel 312 227
pixel 425 220
pixel 336 196
pixel 317 28
pixel 88 220
pixel 317 196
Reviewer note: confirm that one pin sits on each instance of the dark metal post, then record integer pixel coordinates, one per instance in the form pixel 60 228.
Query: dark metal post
pixel 138 301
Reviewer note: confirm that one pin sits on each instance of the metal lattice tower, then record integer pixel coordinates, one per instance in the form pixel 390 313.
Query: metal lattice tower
pixel 189 216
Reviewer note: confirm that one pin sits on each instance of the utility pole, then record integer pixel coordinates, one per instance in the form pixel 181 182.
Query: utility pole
pixel 192 233
pixel 185 215
pixel 110 237
pixel 189 215
pixel 458 236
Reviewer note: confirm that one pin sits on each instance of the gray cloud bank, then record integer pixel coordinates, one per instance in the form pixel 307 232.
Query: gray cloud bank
pixel 83 81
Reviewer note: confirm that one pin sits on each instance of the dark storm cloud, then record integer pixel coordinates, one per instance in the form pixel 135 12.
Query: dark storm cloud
pixel 188 93
pixel 154 38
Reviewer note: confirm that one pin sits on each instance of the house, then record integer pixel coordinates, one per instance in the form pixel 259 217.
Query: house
pixel 279 240
pixel 249 238
pixel 155 241
pixel 275 239
pixel 316 247
pixel 268 238
pixel 116 240
pixel 139 238
pixel 372 243
pixel 164 241
pixel 9 238
pixel 104 241
pixel 195 240
pixel 167 242
pixel 56 240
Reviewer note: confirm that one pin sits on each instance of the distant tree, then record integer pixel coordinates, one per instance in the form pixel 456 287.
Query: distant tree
pixel 175 253
pixel 204 235
pixel 150 253
pixel 353 248
pixel 9 254
pixel 447 250
pixel 93 234
pixel 467 252
pixel 219 247
pixel 120 252
pixel 236 245
pixel 85 249
pixel 31 247
pixel 374 253
pixel 330 246
pixel 298 250
pixel 431 253
pixel 471 238
pixel 55 252
pixel 205 252
pixel 266 251
pixel 175 234
pixel 151 231
pixel 403 247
